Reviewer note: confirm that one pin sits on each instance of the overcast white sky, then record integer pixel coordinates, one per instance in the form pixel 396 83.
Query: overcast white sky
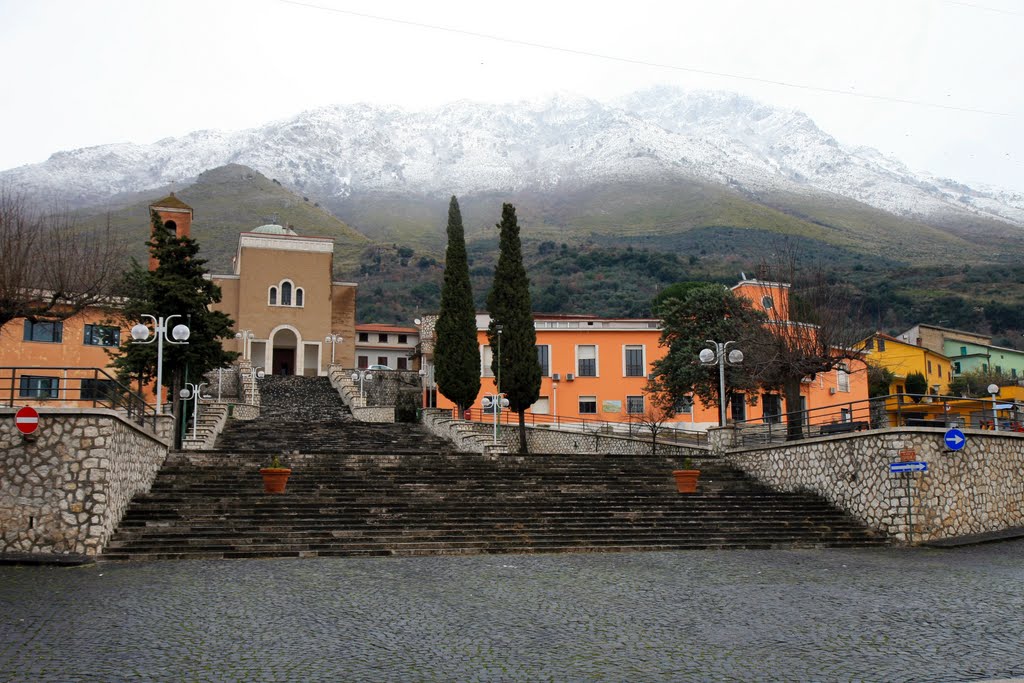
pixel 79 73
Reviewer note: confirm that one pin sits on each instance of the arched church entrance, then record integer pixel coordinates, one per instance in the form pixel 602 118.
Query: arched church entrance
pixel 284 343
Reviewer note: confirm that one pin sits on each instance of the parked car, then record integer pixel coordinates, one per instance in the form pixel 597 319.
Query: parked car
pixel 378 367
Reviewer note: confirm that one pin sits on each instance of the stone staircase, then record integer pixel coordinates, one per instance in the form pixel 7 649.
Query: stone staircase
pixel 306 414
pixel 212 506
pixel 372 489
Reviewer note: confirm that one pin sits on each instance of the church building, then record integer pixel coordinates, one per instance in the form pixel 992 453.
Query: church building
pixel 285 303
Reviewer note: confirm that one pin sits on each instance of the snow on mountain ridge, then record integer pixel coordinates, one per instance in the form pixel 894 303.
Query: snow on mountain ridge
pixel 566 140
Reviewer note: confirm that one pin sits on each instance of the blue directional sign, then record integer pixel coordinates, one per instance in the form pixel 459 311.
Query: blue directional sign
pixel 955 439
pixel 895 467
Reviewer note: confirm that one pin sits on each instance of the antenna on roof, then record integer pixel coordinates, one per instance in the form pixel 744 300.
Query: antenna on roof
pixel 743 276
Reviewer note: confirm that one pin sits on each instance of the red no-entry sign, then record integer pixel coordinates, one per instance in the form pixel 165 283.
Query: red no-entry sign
pixel 27 419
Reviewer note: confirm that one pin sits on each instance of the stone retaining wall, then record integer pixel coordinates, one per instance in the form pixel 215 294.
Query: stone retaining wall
pixel 65 491
pixel 477 437
pixel 975 490
pixel 341 380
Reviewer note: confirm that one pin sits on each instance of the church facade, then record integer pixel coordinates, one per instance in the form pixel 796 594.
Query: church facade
pixel 285 303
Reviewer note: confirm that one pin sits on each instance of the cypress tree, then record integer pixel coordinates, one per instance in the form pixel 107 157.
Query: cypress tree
pixel 518 371
pixel 456 358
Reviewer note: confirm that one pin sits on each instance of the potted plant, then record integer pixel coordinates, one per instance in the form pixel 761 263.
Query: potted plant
pixel 686 478
pixel 275 476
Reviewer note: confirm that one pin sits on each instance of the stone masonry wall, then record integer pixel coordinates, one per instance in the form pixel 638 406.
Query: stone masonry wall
pixel 974 490
pixel 479 437
pixel 65 491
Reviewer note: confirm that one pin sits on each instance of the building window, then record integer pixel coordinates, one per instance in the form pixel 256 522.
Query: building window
pixel 634 361
pixel 772 408
pixel 382 339
pixel 586 360
pixel 963 350
pixel 738 407
pixel 382 360
pixel 940 370
pixel 32 386
pixel 635 405
pixel 929 367
pixel 588 405
pixel 102 335
pixel 402 363
pixel 98 390
pixel 363 362
pixel 956 366
pixel 842 377
pixel 44 331
pixel 403 339
pixel 364 337
pixel 544 359
pixel 284 292
pixel 684 406
pixel 881 344
pixel 869 344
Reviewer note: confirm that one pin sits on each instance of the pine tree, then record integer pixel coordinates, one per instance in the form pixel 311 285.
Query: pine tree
pixel 456 359
pixel 176 287
pixel 516 368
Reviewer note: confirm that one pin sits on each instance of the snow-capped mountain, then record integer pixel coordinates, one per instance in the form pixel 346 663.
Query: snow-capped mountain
pixel 465 147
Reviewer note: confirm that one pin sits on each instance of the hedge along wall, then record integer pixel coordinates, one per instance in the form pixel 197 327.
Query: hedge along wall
pixel 65 491
pixel 978 489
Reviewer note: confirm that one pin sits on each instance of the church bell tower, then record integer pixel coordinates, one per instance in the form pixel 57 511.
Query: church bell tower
pixel 176 216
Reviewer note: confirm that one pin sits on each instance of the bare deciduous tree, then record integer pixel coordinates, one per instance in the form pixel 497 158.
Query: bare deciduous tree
pixel 817 332
pixel 48 266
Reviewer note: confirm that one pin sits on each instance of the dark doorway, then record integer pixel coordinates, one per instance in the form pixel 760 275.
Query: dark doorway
pixel 284 362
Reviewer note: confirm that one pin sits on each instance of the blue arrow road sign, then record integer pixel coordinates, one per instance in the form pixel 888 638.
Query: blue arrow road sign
pixel 955 439
pixel 908 467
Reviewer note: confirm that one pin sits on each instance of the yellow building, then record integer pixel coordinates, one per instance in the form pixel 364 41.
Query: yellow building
pixel 285 303
pixel 903 358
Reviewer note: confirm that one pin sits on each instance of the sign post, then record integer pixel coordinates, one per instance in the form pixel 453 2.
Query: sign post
pixel 27 420
pixel 906 468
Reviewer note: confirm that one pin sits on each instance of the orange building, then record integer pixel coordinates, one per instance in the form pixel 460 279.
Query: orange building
pixel 50 360
pixel 597 368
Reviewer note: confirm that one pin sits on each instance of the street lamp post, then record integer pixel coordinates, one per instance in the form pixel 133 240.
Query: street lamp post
pixel 332 339
pixel 180 334
pixel 716 355
pixel 193 391
pixel 994 390
pixel 360 375
pixel 497 402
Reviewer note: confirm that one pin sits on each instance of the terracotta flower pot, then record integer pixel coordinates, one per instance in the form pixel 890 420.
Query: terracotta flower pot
pixel 686 480
pixel 275 478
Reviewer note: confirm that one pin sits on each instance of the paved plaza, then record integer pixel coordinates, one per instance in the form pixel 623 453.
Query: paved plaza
pixel 799 615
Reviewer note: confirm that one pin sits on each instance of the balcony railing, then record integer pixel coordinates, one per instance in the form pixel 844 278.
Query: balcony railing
pixel 897 410
pixel 72 387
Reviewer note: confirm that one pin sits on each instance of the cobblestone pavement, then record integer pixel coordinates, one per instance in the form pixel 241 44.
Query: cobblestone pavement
pixel 804 615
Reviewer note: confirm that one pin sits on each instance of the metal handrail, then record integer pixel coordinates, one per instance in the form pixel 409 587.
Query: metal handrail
pixel 105 392
pixel 894 410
